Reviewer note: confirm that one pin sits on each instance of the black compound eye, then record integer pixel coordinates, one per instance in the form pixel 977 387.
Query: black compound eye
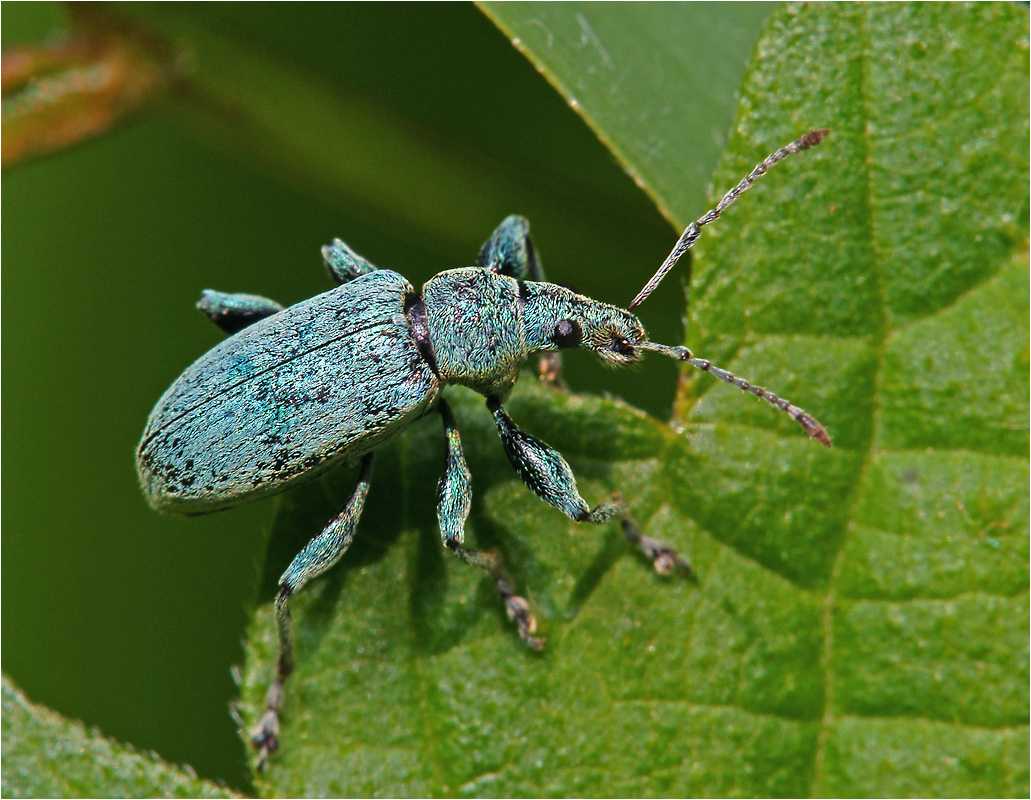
pixel 567 333
pixel 621 346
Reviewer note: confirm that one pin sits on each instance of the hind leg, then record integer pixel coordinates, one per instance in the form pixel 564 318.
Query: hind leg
pixel 319 555
pixel 234 311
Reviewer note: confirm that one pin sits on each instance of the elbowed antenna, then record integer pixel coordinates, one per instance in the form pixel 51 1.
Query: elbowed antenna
pixel 694 230
pixel 809 425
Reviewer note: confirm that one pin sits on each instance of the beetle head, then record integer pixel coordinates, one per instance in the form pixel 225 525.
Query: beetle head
pixel 559 319
pixel 612 333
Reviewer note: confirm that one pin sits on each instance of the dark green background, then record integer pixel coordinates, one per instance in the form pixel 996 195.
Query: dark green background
pixel 131 621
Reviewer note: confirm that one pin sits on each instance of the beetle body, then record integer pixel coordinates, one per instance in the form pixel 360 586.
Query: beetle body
pixel 295 391
pixel 334 377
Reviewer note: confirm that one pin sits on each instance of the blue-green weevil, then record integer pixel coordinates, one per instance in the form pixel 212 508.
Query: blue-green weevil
pixel 295 391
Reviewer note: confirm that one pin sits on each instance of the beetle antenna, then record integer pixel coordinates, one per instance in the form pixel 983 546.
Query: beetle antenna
pixel 694 230
pixel 809 425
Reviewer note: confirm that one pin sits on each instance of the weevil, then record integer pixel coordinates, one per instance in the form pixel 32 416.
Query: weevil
pixel 294 391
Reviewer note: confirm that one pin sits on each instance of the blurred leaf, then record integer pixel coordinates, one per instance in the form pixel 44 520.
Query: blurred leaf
pixel 860 625
pixel 624 69
pixel 319 133
pixel 46 755
pixel 59 93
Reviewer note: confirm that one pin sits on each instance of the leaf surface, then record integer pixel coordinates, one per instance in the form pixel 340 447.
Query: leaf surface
pixel 47 755
pixel 900 312
pixel 859 624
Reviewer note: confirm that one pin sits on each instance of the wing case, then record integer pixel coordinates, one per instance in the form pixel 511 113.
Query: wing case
pixel 326 380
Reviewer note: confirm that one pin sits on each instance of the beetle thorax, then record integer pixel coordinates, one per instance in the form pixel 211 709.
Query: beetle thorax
pixel 474 320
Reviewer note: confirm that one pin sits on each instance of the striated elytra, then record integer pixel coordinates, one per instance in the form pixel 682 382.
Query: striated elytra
pixel 294 391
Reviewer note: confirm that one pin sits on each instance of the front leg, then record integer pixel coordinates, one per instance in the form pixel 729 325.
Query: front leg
pixel 454 498
pixel 510 251
pixel 547 474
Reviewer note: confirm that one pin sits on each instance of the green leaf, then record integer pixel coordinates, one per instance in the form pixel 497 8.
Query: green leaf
pixel 884 283
pixel 623 68
pixel 859 624
pixel 47 755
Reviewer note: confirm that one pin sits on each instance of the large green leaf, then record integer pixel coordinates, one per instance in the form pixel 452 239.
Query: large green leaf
pixel 46 755
pixel 859 624
pixel 902 310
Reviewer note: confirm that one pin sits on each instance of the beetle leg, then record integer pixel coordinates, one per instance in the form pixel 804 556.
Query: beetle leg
pixel 510 251
pixel 545 472
pixel 343 263
pixel 665 559
pixel 319 555
pixel 549 369
pixel 454 490
pixel 233 312
pixel 454 497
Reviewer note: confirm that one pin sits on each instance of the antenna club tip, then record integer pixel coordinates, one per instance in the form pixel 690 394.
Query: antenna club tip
pixel 814 429
pixel 820 435
pixel 813 138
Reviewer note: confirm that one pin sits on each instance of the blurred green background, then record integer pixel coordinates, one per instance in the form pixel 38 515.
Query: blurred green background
pixel 132 621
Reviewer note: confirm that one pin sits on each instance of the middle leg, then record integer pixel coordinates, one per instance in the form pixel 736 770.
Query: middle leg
pixel 454 498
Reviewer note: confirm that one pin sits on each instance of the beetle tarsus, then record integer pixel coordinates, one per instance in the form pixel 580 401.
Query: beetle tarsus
pixel 665 559
pixel 266 735
pixel 549 370
pixel 517 607
pixel 518 610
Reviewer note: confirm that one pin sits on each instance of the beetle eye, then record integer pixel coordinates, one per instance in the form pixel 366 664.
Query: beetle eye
pixel 567 333
pixel 622 346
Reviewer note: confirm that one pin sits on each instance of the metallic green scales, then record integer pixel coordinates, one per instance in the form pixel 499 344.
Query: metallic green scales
pixel 326 380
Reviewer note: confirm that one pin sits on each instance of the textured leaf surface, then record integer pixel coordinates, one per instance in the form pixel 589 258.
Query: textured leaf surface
pixel 901 313
pixel 859 625
pixel 46 755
